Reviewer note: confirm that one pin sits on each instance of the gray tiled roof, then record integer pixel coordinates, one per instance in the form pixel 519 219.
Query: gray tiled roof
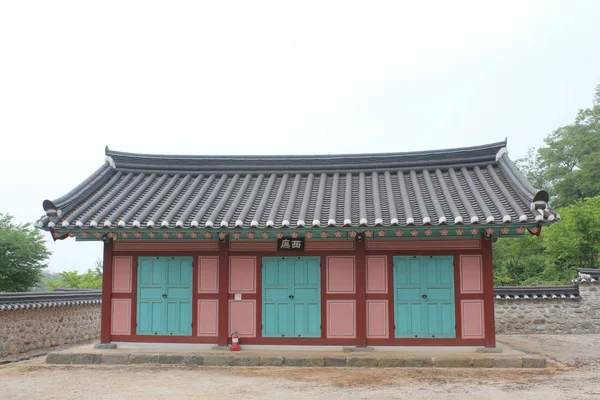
pixel 536 292
pixel 455 186
pixel 587 275
pixel 32 300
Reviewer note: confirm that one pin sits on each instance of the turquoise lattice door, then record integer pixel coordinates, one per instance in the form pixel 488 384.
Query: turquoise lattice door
pixel 424 297
pixel 291 297
pixel 164 303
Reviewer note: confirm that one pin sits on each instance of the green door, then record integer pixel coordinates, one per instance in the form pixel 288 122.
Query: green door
pixel 424 297
pixel 164 303
pixel 291 297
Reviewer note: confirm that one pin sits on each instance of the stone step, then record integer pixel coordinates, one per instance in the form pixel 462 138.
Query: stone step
pixel 240 360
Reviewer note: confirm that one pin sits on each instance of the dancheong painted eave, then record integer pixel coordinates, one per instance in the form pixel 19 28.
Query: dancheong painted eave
pixel 463 186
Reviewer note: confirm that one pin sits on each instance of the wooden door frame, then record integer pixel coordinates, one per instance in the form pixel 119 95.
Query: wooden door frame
pixel 452 260
pixel 319 295
pixel 165 332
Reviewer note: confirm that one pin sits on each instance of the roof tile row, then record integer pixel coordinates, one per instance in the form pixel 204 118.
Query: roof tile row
pixel 300 191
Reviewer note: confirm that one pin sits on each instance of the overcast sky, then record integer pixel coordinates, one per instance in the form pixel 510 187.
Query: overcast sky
pixel 259 77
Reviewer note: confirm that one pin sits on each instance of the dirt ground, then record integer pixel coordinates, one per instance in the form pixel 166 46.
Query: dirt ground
pixel 572 349
pixel 574 376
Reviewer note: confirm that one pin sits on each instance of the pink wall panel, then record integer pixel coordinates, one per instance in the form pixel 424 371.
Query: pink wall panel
pixel 209 275
pixel 208 318
pixel 341 319
pixel 472 319
pixel 121 317
pixel 470 274
pixel 376 274
pixel 340 275
pixel 121 282
pixel 377 319
pixel 242 317
pixel 242 275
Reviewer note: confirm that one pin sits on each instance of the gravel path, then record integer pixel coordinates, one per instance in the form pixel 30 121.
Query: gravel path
pixel 36 380
pixel 574 380
pixel 574 349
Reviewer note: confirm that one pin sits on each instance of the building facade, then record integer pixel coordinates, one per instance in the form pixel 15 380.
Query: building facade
pixel 360 250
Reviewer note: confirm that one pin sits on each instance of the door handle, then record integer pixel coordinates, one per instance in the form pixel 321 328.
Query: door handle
pixel 424 297
pixel 291 297
pixel 164 296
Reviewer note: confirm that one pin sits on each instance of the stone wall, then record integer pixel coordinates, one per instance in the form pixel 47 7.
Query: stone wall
pixel 42 328
pixel 551 315
pixel 26 330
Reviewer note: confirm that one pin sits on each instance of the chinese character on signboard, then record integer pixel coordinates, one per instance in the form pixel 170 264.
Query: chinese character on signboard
pixel 287 243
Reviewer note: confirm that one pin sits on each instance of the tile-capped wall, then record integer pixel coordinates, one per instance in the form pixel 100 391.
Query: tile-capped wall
pixel 27 330
pixel 523 316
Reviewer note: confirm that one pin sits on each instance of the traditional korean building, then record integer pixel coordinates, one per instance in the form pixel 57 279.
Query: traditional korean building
pixel 359 250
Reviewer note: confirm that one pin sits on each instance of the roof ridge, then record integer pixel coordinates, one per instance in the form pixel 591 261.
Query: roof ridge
pixel 487 146
pixel 476 155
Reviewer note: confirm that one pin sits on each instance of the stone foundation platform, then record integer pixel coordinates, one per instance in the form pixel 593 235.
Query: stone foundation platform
pixel 426 358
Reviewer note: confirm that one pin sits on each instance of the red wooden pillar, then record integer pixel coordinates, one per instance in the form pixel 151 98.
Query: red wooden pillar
pixel 106 291
pixel 361 293
pixel 488 293
pixel 223 293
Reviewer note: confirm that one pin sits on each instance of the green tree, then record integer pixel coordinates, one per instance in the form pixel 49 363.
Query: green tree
pixel 575 241
pixel 22 256
pixel 569 163
pixel 92 279
pixel 520 261
pixel 554 257
pixel 530 166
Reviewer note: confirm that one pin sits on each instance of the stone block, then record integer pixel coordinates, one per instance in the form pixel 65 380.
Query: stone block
pixel 483 362
pixel 271 361
pixel 116 358
pixel 418 362
pixel 218 360
pixel 12 350
pixel 59 358
pixel 193 359
pixel 105 346
pixel 143 358
pixel 452 362
pixel 352 349
pixel 361 362
pixel 389 362
pixel 172 359
pixel 488 350
pixel 299 361
pixel 508 362
pixel 316 361
pixel 246 361
pixel 86 358
pixel 335 361
pixel 534 362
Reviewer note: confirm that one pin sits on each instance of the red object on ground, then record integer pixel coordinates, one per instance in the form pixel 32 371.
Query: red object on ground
pixel 235 345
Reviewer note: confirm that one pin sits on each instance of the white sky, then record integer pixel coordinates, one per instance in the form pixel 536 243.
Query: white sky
pixel 260 77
